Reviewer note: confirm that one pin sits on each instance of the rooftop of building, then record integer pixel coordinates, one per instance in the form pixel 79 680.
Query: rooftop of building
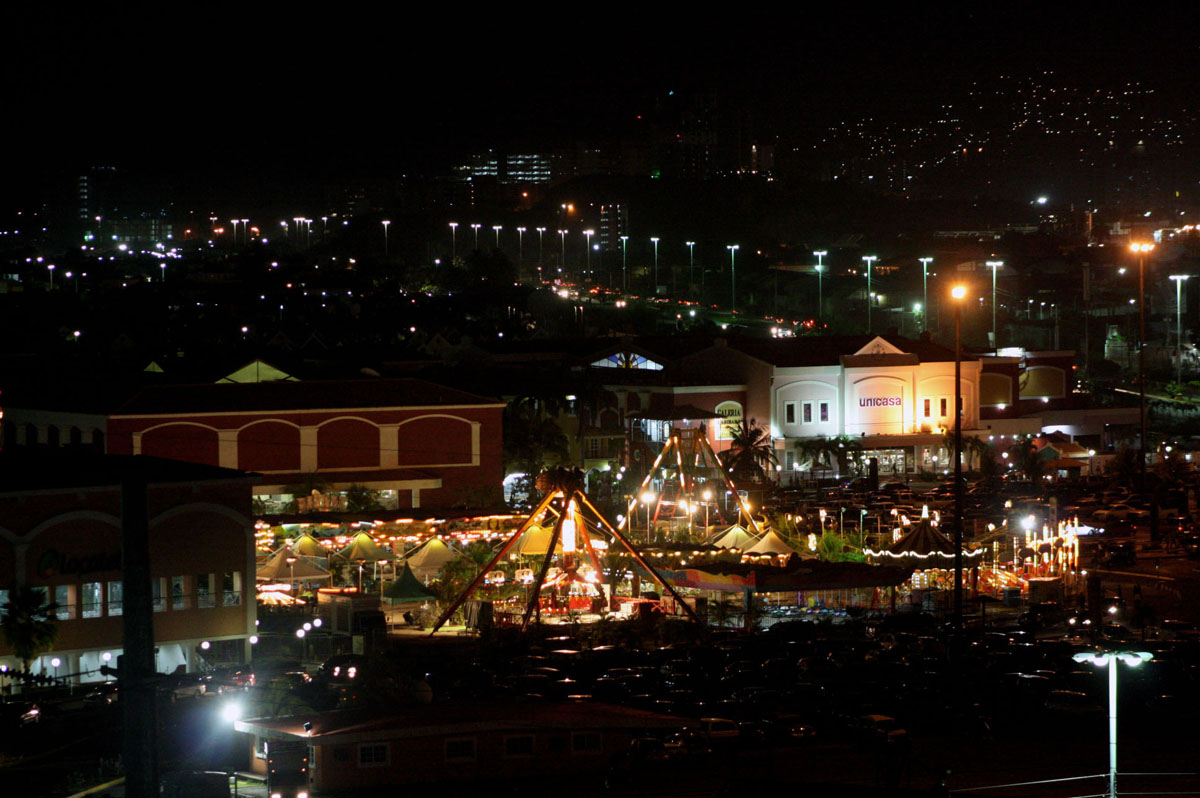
pixel 38 469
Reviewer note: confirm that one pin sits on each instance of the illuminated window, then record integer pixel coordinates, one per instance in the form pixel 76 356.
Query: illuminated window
pixel 928 409
pixel 179 599
pixel 204 593
pixel 158 587
pixel 789 412
pixel 231 589
pixel 116 590
pixel 824 411
pixel 627 360
pixel 807 413
pixel 62 597
pixel 943 404
pixel 91 596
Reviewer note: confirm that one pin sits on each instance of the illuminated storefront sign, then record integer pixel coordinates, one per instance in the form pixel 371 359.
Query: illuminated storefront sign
pixel 881 401
pixel 731 419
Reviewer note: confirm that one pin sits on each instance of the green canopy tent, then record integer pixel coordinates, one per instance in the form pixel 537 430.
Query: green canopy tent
pixel 407 589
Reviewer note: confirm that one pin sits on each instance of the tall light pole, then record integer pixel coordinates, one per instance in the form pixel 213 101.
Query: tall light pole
pixel 820 254
pixel 1179 278
pixel 925 290
pixel 541 231
pixel 496 228
pixel 386 222
pixel 691 245
pixel 1109 659
pixel 234 222
pixel 995 266
pixel 655 242
pixel 453 241
pixel 624 263
pixel 958 292
pixel 588 235
pixel 733 248
pixel 869 259
pixel 1140 250
pixel 475 228
pixel 246 231
pixel 520 248
pixel 562 251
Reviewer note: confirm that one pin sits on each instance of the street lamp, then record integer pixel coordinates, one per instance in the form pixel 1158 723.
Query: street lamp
pixel 648 499
pixel 562 253
pixel 385 237
pixel 820 253
pixel 958 292
pixel 624 262
pixel 925 289
pixel 655 242
pixel 691 245
pixel 540 231
pixel 520 247
pixel 496 228
pixel 234 222
pixel 245 232
pixel 588 235
pixel 1140 250
pixel 453 241
pixel 869 260
pixel 1109 659
pixel 475 228
pixel 994 265
pixel 733 248
pixel 1179 278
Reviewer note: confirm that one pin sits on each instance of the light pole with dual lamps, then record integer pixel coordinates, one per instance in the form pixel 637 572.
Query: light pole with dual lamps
pixel 733 248
pixel 624 263
pixel 820 253
pixel 655 242
pixel 869 259
pixel 475 229
pixel 995 266
pixel 540 231
pixel 1109 659
pixel 453 241
pixel 691 245
pixel 520 248
pixel 496 228
pixel 588 235
pixel 386 223
pixel 925 289
pixel 1179 278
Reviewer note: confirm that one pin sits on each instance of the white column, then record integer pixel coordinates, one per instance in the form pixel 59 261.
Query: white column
pixel 308 449
pixel 227 448
pixel 137 442
pixel 475 429
pixel 389 445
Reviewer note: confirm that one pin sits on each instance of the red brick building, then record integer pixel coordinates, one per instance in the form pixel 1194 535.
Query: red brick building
pixel 417 443
pixel 60 530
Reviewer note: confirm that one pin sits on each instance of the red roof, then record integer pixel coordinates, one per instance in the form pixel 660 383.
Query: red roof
pixel 285 396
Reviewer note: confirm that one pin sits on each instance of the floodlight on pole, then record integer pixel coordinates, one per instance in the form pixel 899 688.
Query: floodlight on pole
pixel 925 290
pixel 733 248
pixel 1109 659
pixel 958 293
pixel 691 245
pixel 475 228
pixel 385 237
pixel 654 241
pixel 869 259
pixel 995 266
pixel 625 263
pixel 453 241
pixel 1179 278
pixel 1141 250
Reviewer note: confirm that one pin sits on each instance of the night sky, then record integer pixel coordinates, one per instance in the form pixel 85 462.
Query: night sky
pixel 226 95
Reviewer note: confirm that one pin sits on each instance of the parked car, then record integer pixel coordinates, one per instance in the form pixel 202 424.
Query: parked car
pixel 18 715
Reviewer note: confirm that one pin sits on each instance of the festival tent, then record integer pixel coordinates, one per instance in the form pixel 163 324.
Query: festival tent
pixel 536 540
pixel 364 549
pixel 771 543
pixel 735 537
pixel 407 589
pixel 305 545
pixel 428 559
pixel 924 547
pixel 278 569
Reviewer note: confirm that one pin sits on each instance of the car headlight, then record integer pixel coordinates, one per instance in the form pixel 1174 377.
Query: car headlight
pixel 301 795
pixel 276 795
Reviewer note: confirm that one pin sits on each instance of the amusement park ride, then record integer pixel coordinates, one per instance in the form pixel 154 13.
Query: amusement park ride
pixel 574 517
pixel 690 470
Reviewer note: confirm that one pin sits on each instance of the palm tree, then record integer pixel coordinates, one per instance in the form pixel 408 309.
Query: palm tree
pixel 825 452
pixel 29 624
pixel 751 451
